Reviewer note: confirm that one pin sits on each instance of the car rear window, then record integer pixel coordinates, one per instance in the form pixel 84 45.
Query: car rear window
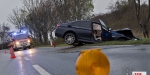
pixel 86 24
pixel 76 24
pixel 82 24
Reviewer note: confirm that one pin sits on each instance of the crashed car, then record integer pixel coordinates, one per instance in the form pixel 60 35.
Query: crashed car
pixel 123 34
pixel 81 31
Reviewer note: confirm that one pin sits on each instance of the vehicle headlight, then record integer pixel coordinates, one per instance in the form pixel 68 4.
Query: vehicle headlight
pixel 29 40
pixel 17 43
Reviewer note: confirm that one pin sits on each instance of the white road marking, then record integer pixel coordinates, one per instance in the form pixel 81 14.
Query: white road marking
pixel 41 70
pixel 26 58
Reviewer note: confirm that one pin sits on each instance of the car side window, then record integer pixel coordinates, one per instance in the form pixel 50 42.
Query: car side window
pixel 76 24
pixel 86 24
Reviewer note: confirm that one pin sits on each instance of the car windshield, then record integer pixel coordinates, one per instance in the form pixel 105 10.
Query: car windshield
pixel 20 36
pixel 103 24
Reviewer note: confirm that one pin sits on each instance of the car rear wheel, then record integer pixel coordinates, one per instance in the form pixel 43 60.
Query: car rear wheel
pixel 70 38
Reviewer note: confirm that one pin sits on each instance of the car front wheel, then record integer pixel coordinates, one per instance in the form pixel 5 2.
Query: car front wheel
pixel 15 49
pixel 70 38
pixel 29 47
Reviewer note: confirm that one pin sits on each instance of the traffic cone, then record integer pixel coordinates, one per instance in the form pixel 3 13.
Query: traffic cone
pixel 53 43
pixel 12 53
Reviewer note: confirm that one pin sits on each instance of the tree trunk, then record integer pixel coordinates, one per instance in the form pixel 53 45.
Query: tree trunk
pixel 45 36
pixel 40 37
pixel 51 38
pixel 146 33
pixel 145 30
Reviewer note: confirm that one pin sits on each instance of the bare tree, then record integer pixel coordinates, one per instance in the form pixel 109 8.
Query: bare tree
pixel 43 15
pixel 17 17
pixel 4 28
pixel 143 22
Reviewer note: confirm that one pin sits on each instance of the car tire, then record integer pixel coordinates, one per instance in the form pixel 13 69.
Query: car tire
pixel 70 38
pixel 24 48
pixel 15 49
pixel 29 47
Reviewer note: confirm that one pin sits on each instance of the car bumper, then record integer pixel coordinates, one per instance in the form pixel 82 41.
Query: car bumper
pixel 22 46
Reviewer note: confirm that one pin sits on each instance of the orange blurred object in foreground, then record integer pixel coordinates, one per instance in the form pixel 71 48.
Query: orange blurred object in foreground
pixel 92 62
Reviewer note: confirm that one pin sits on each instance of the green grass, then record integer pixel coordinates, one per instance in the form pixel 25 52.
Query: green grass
pixel 60 43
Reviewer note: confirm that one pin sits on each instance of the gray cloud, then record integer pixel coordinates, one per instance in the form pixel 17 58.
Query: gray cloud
pixel 101 5
pixel 6 7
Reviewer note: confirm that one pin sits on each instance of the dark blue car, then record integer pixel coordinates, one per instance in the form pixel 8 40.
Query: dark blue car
pixel 79 32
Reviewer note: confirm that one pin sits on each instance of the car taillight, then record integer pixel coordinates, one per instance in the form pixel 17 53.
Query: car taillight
pixel 58 25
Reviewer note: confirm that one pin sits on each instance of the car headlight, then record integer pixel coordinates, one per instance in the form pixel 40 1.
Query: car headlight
pixel 17 43
pixel 29 40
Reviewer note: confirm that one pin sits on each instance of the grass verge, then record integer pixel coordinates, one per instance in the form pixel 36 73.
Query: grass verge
pixel 130 42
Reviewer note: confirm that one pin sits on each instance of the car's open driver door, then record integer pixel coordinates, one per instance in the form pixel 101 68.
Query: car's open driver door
pixel 106 33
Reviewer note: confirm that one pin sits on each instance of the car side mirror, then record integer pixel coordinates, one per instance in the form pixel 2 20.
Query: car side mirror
pixel 69 26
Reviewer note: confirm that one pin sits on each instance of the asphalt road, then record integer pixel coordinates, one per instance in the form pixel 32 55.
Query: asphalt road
pixel 61 60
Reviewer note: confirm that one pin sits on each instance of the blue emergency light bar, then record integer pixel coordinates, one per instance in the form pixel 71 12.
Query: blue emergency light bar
pixel 17 33
pixel 14 33
pixel 24 32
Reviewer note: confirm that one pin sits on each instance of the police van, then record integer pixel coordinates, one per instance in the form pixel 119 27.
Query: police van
pixel 20 40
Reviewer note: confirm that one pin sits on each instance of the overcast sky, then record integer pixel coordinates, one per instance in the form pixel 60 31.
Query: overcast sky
pixel 6 7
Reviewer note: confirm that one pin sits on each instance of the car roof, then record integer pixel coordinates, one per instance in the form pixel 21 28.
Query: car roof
pixel 81 20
